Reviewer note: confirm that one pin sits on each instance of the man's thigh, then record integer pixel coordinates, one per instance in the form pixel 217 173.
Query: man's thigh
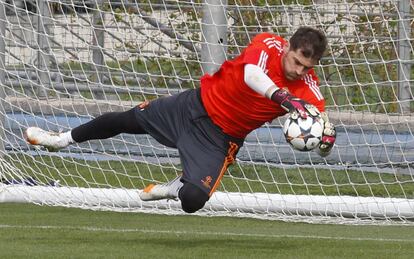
pixel 165 118
pixel 205 155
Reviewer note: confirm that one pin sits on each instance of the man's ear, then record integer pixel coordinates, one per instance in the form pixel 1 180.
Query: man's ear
pixel 286 47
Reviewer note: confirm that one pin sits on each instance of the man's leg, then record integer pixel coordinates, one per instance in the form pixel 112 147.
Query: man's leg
pixel 205 153
pixel 108 125
pixel 102 127
pixel 192 197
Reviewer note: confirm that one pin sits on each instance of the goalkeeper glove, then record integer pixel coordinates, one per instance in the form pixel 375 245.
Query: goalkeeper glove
pixel 328 136
pixel 293 105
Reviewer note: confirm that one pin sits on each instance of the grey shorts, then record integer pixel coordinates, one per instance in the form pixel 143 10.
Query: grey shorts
pixel 180 121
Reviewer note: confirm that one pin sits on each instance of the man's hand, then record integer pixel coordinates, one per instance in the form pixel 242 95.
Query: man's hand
pixel 293 105
pixel 328 136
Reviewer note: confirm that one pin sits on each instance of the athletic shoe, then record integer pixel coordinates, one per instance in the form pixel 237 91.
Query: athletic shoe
pixel 52 141
pixel 162 191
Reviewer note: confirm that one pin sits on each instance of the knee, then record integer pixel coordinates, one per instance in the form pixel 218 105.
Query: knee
pixel 192 197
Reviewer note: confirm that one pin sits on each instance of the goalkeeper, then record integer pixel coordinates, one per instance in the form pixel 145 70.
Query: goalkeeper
pixel 208 125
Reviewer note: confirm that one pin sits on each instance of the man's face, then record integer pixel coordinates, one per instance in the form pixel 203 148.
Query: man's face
pixel 295 65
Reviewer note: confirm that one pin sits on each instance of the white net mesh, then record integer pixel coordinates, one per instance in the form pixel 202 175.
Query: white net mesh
pixel 65 62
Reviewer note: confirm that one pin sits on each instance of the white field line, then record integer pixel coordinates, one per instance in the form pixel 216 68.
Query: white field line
pixel 201 233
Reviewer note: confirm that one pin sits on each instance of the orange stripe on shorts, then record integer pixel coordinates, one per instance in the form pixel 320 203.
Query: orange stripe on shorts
pixel 228 160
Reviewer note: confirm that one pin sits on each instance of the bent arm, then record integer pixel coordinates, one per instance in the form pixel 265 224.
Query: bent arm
pixel 257 80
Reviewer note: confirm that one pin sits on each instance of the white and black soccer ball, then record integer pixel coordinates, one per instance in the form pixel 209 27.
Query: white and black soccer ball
pixel 303 134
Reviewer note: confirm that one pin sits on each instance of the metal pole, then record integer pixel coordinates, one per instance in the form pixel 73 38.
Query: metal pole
pixel 214 35
pixel 404 68
pixel 44 48
pixel 3 24
pixel 98 46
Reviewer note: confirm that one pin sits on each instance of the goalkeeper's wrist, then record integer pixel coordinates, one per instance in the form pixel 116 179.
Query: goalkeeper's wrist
pixel 280 95
pixel 270 91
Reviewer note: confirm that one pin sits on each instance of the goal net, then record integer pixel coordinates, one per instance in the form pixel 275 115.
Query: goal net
pixel 65 62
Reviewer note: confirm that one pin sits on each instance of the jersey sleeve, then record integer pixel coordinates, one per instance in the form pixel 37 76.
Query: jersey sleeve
pixel 256 56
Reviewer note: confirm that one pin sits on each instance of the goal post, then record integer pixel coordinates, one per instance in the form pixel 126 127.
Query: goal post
pixel 65 62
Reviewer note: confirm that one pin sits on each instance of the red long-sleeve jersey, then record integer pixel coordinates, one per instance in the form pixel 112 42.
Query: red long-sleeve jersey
pixel 235 107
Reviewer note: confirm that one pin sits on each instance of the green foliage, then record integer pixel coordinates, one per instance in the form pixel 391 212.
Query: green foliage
pixel 359 71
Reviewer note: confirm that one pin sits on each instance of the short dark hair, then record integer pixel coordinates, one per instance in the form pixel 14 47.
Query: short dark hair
pixel 310 41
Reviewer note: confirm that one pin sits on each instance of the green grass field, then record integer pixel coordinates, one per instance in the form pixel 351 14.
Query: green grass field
pixel 29 231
